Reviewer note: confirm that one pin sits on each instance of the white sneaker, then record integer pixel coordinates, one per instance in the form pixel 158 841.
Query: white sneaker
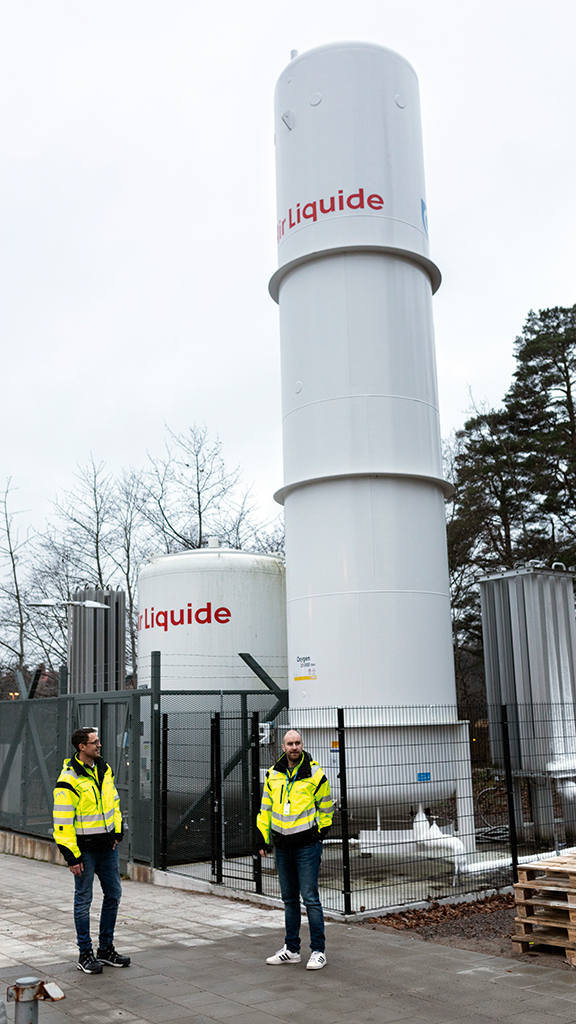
pixel 285 956
pixel 317 961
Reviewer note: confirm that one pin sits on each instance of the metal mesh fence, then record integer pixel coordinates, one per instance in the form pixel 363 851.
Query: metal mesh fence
pixel 186 731
pixel 29 756
pixel 429 802
pixel 437 803
pixel 409 791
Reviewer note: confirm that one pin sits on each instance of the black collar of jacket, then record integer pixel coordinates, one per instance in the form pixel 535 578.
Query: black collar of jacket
pixel 80 768
pixel 304 771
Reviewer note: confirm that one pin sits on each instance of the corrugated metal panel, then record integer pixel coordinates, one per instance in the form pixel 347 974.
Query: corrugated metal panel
pixel 97 645
pixel 529 629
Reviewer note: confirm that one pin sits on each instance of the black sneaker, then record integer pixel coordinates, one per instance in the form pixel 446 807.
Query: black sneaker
pixel 112 958
pixel 88 963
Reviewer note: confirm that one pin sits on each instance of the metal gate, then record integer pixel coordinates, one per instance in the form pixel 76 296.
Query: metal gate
pixel 159 748
pixel 121 718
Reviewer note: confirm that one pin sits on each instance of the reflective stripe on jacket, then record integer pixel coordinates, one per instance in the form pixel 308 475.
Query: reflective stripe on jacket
pixel 86 808
pixel 309 811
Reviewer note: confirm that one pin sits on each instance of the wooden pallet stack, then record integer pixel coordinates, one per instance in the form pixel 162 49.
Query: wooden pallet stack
pixel 546 905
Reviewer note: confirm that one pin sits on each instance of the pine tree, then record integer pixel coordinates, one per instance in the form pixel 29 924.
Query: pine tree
pixel 489 527
pixel 542 405
pixel 514 472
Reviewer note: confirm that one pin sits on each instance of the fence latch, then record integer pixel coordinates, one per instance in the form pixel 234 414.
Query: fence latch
pixel 27 993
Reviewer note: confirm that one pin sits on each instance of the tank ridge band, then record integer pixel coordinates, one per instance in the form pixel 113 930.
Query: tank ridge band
pixel 445 486
pixel 341 250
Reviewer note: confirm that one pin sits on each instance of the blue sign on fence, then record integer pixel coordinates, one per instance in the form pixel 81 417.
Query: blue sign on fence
pixel 423 776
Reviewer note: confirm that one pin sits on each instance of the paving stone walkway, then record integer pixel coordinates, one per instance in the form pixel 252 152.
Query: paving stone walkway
pixel 199 959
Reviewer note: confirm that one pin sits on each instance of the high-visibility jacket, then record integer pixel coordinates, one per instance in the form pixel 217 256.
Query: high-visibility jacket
pixel 296 805
pixel 86 809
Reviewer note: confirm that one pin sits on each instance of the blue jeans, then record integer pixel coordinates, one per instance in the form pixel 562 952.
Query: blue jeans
pixel 298 873
pixel 104 864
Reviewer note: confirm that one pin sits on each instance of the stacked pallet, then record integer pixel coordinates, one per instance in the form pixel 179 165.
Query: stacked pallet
pixel 546 906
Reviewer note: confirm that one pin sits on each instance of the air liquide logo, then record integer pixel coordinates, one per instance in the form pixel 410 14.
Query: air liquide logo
pixel 166 618
pixel 424 216
pixel 317 209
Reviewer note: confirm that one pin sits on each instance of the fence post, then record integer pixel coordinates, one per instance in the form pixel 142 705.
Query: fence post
pixel 63 728
pixel 24 770
pixel 155 730
pixel 216 797
pixel 344 812
pixel 246 788
pixel 255 771
pixel 134 739
pixel 509 791
pixel 164 797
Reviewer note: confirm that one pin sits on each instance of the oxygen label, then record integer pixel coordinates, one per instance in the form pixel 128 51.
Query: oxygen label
pixel 305 669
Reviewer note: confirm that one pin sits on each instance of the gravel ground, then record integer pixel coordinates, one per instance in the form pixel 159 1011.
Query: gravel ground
pixel 483 927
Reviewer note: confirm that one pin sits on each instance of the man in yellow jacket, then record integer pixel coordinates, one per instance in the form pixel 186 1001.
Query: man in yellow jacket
pixel 87 830
pixel 295 814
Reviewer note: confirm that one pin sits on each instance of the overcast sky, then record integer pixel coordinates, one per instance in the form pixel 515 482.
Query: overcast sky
pixel 137 205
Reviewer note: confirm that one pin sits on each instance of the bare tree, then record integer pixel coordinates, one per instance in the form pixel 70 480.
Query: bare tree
pixel 52 574
pixel 132 542
pixel 14 608
pixel 73 551
pixel 269 538
pixel 104 528
pixel 191 494
pixel 85 525
pixel 99 537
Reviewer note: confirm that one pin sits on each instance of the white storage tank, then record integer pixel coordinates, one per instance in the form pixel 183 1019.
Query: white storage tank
pixel 367 569
pixel 201 608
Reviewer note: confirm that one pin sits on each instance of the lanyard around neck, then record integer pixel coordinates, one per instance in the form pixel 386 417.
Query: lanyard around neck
pixel 291 778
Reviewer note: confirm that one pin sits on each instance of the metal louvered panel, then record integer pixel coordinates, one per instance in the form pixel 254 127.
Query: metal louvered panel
pixel 529 629
pixel 97 642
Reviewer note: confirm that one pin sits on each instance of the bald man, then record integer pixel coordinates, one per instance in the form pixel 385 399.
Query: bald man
pixel 295 815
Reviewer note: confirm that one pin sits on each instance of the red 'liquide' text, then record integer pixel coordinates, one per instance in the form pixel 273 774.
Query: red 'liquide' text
pixel 318 208
pixel 162 619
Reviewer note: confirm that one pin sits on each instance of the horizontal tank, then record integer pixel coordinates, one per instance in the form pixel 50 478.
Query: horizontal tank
pixel 202 608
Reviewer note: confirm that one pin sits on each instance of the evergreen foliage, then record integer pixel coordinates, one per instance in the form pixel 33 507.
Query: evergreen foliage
pixel 514 473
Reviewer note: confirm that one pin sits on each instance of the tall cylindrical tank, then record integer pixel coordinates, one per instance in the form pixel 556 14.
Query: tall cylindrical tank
pixel 367 573
pixel 201 608
pixel 369 623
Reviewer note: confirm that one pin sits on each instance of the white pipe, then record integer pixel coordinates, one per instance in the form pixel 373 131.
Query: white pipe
pixel 430 838
pixel 421 839
pixel 477 867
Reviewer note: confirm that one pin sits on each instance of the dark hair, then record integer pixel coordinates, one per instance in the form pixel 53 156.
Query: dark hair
pixel 81 735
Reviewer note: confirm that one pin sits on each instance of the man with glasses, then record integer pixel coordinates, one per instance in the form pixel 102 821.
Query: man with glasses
pixel 296 813
pixel 87 830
